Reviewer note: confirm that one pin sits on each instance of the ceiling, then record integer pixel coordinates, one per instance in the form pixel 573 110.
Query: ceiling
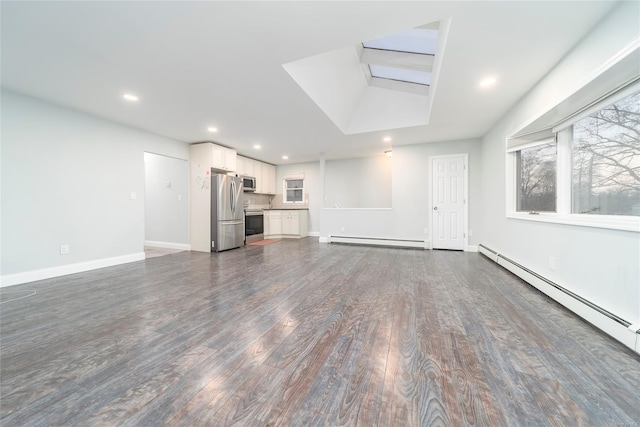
pixel 221 63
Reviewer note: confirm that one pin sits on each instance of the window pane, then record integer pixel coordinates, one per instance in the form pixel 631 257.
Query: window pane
pixel 606 160
pixel 413 40
pixel 294 195
pixel 401 74
pixel 537 178
pixel 295 183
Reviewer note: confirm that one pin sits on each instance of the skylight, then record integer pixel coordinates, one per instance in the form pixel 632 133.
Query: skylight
pixel 400 74
pixel 403 60
pixel 414 40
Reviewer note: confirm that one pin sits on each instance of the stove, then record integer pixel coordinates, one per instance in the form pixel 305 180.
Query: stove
pixel 253 225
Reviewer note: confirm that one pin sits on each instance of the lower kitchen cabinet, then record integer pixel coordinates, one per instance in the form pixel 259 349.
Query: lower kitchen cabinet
pixel 272 223
pixel 286 223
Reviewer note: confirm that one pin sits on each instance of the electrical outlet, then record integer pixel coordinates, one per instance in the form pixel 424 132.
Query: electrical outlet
pixel 133 195
pixel 552 263
pixel 64 249
pixel 342 228
pixel 179 197
pixel 470 232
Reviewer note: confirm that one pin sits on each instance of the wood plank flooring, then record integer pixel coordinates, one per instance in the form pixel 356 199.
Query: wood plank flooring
pixel 306 334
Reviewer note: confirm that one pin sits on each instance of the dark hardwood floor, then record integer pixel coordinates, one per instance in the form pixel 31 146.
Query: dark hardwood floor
pixel 308 334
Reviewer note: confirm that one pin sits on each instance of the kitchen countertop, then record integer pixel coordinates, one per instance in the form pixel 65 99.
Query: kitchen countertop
pixel 286 209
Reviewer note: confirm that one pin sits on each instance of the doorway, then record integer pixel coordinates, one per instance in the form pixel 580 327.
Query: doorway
pixel 449 182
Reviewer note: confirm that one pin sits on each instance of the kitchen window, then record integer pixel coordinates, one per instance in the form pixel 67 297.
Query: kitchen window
pixel 293 191
pixel 583 171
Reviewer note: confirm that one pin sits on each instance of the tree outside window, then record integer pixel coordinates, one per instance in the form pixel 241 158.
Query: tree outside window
pixel 536 186
pixel 606 160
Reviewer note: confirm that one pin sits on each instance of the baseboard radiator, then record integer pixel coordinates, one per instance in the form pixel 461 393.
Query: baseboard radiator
pixel 374 241
pixel 613 325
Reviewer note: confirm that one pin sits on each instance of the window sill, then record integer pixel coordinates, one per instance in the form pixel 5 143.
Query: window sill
pixel 624 223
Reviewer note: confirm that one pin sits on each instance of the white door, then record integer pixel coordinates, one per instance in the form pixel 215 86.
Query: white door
pixel 447 195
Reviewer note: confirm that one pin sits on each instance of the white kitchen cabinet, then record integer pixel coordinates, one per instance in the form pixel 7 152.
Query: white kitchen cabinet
pixel 286 223
pixel 269 178
pixel 257 170
pixel 264 173
pixel 245 166
pixel 272 223
pixel 223 158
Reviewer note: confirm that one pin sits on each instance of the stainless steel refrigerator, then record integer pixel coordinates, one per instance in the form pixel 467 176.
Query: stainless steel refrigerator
pixel 227 213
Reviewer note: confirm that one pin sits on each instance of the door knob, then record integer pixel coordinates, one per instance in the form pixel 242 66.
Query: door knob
pixel 435 208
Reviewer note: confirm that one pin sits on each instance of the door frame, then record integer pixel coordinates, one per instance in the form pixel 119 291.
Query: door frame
pixel 465 195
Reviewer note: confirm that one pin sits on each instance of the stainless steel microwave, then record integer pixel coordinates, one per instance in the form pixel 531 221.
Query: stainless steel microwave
pixel 248 183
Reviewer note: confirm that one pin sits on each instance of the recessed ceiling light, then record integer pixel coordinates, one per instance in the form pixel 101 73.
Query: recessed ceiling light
pixel 212 129
pixel 130 97
pixel 257 146
pixel 489 81
pixel 387 139
pixel 285 157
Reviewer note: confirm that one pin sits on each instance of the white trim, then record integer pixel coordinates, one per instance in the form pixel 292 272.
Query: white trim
pixel 63 270
pixel 529 144
pixel 471 248
pixel 324 239
pixel 603 75
pixel 596 318
pixel 167 245
pixel 624 223
pixel 313 234
pixel 465 195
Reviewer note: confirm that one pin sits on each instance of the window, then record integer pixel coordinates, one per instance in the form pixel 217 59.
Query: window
pixel 605 156
pixel 402 61
pixel 584 171
pixel 537 177
pixel 293 191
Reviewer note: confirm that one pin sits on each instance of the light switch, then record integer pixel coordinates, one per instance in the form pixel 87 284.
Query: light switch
pixel 133 195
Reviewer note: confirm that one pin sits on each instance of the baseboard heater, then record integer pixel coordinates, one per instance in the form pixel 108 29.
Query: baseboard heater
pixel 376 241
pixel 619 328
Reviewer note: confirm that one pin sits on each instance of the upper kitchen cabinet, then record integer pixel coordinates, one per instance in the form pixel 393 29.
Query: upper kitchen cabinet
pixel 259 179
pixel 269 178
pixel 245 166
pixel 264 173
pixel 223 158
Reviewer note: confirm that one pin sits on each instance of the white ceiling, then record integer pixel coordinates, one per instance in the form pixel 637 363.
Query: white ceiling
pixel 200 64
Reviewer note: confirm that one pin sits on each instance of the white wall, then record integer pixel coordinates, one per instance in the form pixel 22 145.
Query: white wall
pixel 312 187
pixel 66 179
pixel 166 201
pixel 364 182
pixel 600 265
pixel 409 215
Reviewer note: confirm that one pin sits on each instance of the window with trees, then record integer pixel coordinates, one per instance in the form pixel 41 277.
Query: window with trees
pixel 585 170
pixel 537 177
pixel 605 154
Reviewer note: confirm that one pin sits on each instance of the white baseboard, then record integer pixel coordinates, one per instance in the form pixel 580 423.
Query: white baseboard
pixel 471 248
pixel 63 270
pixel 167 245
pixel 379 241
pixel 324 239
pixel 313 234
pixel 585 309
